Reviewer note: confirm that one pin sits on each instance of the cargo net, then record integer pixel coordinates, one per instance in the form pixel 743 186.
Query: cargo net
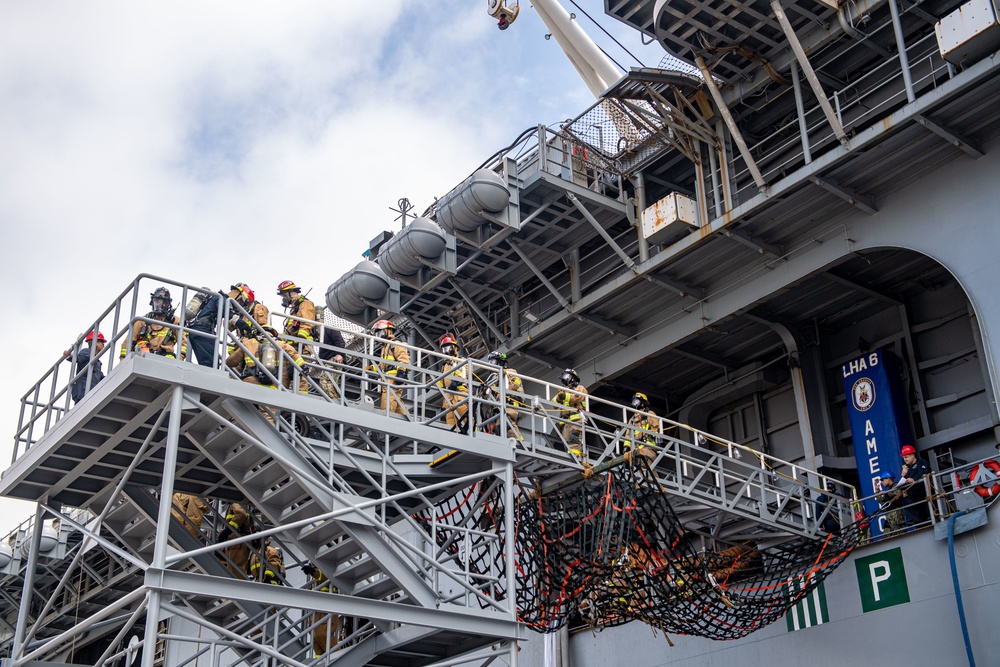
pixel 468 528
pixel 612 550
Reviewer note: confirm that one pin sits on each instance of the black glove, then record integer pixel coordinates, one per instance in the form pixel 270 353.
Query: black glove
pixel 225 533
pixel 309 569
pixel 402 374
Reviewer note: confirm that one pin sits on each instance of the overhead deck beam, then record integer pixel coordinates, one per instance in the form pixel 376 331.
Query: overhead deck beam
pixel 676 286
pixel 755 244
pixel 862 202
pixel 951 136
pixel 704 358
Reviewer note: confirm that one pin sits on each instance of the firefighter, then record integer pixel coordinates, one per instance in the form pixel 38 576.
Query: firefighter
pixel 393 357
pixel 157 338
pixel 84 365
pixel 513 385
pixel 237 525
pixel 289 373
pixel 453 384
pixel 642 418
pixel 574 398
pixel 249 369
pixel 274 571
pixel 189 510
pixel 324 626
pixel 301 311
pixel 244 296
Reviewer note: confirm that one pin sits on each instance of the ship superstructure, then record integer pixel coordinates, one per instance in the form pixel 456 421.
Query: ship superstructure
pixel 819 184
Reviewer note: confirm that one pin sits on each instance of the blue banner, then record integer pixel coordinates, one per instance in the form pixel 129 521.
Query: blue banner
pixel 880 421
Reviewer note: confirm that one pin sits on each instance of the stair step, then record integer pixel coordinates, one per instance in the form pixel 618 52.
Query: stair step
pixel 265 475
pixel 244 456
pixel 137 527
pixel 379 589
pixel 222 439
pixel 284 493
pixel 122 512
pixel 300 510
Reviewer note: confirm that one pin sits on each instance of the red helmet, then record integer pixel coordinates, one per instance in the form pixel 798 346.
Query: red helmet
pixel 448 339
pixel 286 286
pixel 245 289
pixel 907 449
pixel 90 337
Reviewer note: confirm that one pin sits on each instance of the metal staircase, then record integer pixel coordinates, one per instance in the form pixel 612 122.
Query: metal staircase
pixel 467 331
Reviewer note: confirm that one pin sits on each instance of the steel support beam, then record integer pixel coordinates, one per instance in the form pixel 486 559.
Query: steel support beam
pixel 800 110
pixel 470 302
pixel 563 301
pixel 904 62
pixel 27 589
pixel 447 616
pixel 810 73
pixel 364 652
pixel 798 388
pixel 734 129
pixel 762 247
pixel 628 261
pixel 951 136
pixel 862 202
pixel 676 286
pixel 163 519
pixel 610 326
pixel 850 284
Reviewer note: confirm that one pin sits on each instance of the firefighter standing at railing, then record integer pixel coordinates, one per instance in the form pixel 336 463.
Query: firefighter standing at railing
pixel 301 311
pixel 574 397
pixel 244 296
pixel 394 357
pixel 83 360
pixel 643 418
pixel 263 353
pixel 153 337
pixel 454 385
pixel 512 385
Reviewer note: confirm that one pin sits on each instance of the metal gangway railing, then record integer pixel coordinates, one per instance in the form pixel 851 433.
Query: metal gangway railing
pixel 693 463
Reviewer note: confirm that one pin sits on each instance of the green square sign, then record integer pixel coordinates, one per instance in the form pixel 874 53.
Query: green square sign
pixel 882 580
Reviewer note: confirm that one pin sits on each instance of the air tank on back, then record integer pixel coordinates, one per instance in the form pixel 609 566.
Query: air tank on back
pixel 460 210
pixel 356 289
pixel 419 242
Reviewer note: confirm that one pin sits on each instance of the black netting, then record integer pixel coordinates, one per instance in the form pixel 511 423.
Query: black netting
pixel 611 549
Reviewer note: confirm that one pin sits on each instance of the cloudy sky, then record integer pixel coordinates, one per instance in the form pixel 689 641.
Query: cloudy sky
pixel 226 141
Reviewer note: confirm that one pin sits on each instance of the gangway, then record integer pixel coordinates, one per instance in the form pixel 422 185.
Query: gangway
pixel 355 490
